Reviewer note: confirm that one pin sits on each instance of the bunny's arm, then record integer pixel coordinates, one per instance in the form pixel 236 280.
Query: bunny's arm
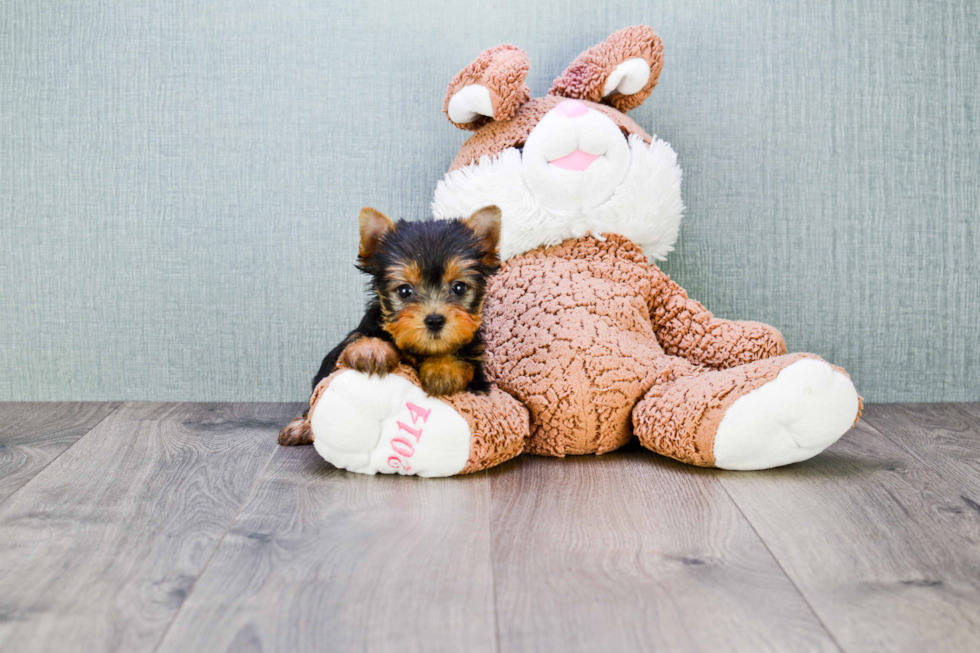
pixel 686 328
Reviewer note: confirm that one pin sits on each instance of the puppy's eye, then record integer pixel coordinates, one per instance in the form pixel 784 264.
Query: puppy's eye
pixel 404 291
pixel 458 288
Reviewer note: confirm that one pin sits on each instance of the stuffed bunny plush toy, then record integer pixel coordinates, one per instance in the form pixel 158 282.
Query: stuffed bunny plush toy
pixel 588 343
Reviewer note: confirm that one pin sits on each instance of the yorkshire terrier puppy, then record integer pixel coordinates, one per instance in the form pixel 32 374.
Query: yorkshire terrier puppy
pixel 428 281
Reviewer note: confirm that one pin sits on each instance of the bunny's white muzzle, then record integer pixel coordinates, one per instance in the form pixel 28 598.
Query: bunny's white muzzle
pixel 574 158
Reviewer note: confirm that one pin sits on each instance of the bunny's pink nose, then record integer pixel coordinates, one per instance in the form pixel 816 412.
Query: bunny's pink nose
pixel 573 108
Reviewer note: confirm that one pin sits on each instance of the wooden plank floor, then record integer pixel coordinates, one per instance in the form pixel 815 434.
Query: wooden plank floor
pixel 184 527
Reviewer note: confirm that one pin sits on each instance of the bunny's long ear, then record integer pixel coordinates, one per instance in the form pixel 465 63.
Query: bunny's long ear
pixel 621 71
pixel 490 88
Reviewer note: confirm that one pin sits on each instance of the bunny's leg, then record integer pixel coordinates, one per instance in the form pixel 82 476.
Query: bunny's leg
pixel 387 424
pixel 763 414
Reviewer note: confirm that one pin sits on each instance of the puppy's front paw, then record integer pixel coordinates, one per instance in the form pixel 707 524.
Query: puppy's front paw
pixel 371 356
pixel 444 375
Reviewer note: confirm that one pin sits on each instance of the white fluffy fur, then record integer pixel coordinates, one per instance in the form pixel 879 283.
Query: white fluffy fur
pixel 646 207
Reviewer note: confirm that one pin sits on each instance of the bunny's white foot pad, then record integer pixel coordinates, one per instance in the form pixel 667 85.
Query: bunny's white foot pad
pixel 370 424
pixel 801 412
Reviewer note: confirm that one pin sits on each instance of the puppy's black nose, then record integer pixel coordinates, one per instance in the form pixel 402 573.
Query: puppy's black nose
pixel 434 322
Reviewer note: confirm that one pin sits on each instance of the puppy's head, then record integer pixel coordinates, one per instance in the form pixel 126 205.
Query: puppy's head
pixel 430 276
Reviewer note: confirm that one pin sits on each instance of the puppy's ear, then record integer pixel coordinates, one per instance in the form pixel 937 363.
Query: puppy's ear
pixel 485 223
pixel 490 88
pixel 374 225
pixel 621 71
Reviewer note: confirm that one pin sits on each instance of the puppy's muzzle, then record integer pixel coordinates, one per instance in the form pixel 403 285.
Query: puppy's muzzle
pixel 434 322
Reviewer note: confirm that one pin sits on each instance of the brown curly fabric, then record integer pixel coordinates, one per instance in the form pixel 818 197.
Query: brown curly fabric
pixel 502 69
pixel 574 332
pixel 496 136
pixel 498 427
pixel 585 78
pixel 686 328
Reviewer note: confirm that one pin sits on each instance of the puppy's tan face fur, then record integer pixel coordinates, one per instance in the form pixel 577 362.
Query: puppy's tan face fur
pixel 429 313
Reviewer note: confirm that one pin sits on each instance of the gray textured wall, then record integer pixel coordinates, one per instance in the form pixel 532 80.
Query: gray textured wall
pixel 179 184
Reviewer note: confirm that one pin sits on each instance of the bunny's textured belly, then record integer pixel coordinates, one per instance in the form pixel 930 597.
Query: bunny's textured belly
pixel 570 337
